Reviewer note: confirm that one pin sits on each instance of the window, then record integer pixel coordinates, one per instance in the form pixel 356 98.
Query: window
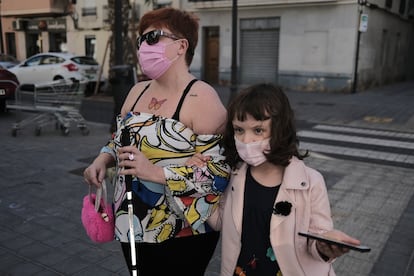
pixel 89 8
pixel 84 60
pixel 90 42
pixel 33 61
pixel 47 60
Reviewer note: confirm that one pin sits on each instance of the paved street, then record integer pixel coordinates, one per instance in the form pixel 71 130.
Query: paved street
pixel 362 143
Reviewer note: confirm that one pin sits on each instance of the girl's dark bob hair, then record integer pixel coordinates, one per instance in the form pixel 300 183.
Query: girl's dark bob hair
pixel 264 101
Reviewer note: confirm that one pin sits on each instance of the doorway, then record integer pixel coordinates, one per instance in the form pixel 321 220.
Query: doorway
pixel 211 54
pixel 32 44
pixel 57 42
pixel 11 44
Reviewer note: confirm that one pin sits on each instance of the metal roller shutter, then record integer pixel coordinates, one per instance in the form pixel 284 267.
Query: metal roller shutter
pixel 259 53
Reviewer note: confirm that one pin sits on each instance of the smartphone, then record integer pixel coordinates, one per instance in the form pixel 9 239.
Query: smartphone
pixel 360 248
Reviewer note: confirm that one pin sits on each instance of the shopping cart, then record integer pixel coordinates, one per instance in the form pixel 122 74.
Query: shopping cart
pixel 55 103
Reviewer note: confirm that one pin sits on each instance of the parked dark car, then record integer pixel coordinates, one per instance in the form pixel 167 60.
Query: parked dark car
pixel 8 86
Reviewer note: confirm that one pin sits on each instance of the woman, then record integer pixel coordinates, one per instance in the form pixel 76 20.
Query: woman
pixel 167 121
pixel 272 194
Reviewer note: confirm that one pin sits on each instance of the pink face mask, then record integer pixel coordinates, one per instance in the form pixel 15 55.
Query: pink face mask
pixel 253 153
pixel 152 59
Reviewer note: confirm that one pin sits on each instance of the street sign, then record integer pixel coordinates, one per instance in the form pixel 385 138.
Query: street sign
pixel 363 22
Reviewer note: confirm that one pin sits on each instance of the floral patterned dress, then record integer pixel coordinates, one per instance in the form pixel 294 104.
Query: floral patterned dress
pixel 181 207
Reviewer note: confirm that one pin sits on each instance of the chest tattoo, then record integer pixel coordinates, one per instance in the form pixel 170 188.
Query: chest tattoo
pixel 155 104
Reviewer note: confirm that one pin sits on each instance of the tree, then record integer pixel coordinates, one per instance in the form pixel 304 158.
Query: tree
pixel 128 33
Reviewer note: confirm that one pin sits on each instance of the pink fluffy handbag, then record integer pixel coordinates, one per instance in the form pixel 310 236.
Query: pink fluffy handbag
pixel 98 216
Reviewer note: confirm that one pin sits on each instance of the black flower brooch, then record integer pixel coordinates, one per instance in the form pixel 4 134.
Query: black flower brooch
pixel 282 208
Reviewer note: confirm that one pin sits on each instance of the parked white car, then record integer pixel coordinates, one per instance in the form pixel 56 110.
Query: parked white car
pixel 47 67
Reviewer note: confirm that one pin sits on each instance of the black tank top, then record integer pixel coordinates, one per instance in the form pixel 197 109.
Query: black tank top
pixel 256 252
pixel 176 115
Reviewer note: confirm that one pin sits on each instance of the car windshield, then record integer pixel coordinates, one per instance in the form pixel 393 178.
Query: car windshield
pixel 84 60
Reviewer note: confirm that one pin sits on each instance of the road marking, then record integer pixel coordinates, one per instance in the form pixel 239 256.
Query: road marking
pixel 365 131
pixel 375 119
pixel 394 148
pixel 347 151
pixel 356 139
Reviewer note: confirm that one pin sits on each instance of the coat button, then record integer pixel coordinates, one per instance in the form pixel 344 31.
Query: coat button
pixel 303 184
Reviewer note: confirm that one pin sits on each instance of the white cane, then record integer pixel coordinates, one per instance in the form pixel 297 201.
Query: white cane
pixel 126 141
pixel 132 233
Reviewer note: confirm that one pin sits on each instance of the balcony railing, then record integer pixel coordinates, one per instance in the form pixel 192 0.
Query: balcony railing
pixel 30 8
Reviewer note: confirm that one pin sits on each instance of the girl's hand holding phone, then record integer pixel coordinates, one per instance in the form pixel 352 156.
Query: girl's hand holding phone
pixel 335 243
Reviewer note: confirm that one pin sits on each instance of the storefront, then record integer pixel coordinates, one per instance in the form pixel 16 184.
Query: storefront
pixel 45 35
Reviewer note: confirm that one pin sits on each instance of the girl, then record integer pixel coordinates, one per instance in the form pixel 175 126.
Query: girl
pixel 272 194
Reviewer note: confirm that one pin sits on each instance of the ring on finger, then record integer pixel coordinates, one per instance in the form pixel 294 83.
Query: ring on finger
pixel 131 156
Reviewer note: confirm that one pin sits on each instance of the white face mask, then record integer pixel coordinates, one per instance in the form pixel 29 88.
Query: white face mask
pixel 253 153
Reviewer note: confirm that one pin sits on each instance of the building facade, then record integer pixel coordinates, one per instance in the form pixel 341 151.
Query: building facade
pixel 32 27
pixel 298 44
pixel 307 45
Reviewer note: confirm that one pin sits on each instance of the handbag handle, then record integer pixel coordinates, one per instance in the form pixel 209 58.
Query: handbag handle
pixel 100 193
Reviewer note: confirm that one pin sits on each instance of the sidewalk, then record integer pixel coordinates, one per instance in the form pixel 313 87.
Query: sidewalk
pixel 42 189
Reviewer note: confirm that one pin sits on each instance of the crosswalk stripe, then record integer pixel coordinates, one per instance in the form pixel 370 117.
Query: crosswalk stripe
pixel 355 139
pixel 372 132
pixel 347 151
pixel 357 143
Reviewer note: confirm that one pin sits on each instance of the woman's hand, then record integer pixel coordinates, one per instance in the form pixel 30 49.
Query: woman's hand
pixel 136 163
pixel 333 251
pixel 94 174
pixel 198 160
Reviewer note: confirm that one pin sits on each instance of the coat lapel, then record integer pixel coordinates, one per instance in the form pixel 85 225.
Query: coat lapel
pixel 283 195
pixel 294 178
pixel 238 179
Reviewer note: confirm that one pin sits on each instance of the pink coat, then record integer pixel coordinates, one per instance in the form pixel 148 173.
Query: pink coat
pixel 305 189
